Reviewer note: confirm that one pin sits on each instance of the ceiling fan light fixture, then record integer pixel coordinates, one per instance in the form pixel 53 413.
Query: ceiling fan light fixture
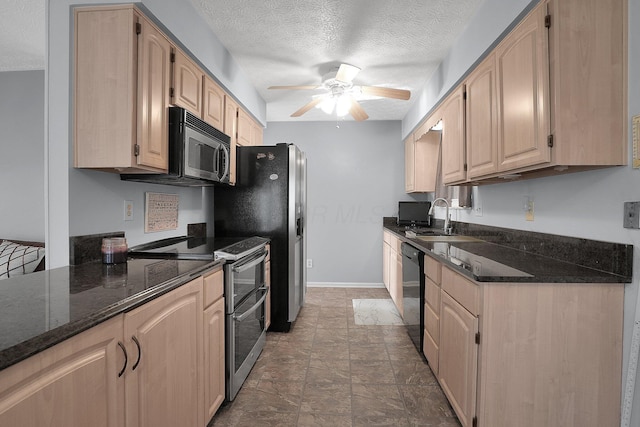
pixel 327 105
pixel 343 105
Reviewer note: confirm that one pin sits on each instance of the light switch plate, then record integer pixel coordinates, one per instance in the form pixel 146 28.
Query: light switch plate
pixel 631 215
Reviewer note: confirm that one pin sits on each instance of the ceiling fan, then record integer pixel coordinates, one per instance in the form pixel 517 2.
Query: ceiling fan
pixel 341 94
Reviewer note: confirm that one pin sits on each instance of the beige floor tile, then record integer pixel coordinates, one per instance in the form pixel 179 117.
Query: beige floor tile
pixel 372 372
pixel 425 401
pixel 330 399
pixel 377 400
pixel 329 371
pixel 322 420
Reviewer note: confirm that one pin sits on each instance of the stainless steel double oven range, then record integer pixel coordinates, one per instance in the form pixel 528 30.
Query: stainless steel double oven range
pixel 245 291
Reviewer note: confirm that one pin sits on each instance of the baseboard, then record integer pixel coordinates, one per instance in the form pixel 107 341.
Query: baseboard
pixel 344 285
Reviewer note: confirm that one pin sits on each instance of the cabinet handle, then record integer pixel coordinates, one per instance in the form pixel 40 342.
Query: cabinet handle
pixel 124 350
pixel 135 340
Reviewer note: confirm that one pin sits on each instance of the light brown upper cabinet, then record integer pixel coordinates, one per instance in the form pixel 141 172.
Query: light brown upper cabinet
pixel 213 104
pixel 249 131
pixel 550 98
pixel 421 150
pixel 522 82
pixel 244 128
pixel 481 119
pixel 453 143
pixel 588 51
pixel 256 133
pixel 186 89
pixel 196 91
pixel 121 91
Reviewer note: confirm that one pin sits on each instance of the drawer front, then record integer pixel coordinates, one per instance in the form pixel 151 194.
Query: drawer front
pixel 213 287
pixel 432 323
pixel 432 295
pixel 466 292
pixel 431 352
pixel 432 268
pixel 386 237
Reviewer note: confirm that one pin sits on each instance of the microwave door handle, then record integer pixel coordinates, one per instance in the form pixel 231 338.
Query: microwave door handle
pixel 225 162
pixel 250 263
pixel 254 307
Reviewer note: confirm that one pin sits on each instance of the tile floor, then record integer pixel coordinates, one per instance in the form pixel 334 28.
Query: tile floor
pixel 330 371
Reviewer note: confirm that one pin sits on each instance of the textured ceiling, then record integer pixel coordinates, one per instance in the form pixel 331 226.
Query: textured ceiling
pixel 396 43
pixel 22 35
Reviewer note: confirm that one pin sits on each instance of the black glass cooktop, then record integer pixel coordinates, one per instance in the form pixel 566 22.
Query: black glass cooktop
pixel 195 247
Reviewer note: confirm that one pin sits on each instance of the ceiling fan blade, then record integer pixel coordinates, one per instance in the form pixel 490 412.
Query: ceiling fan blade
pixel 307 107
pixel 357 112
pixel 386 92
pixel 301 87
pixel 346 73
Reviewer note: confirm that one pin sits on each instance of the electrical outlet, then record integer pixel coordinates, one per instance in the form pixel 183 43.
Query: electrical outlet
pixel 309 263
pixel 128 210
pixel 477 209
pixel 528 208
pixel 631 215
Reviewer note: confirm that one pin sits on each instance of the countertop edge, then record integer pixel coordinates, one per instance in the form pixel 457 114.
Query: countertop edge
pixel 25 349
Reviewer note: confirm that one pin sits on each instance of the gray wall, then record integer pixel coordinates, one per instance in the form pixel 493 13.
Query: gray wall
pixel 586 204
pixel 22 155
pixel 355 176
pixel 87 202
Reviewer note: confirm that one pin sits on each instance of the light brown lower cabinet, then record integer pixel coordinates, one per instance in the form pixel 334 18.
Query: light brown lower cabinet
pixel 86 380
pixel 458 359
pixel 214 350
pixel 74 383
pixel 164 385
pixel 395 271
pixel 531 354
pixel 431 342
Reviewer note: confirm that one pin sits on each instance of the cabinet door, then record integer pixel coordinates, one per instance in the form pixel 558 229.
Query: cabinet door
pixel 409 164
pixel 213 108
pixel 105 88
pixel 164 385
pixel 386 267
pixel 481 120
pixel 244 128
pixel 231 129
pixel 187 83
pixel 458 358
pixel 522 69
pixel 153 96
pixel 453 149
pixel 214 369
pixel 72 384
pixel 256 134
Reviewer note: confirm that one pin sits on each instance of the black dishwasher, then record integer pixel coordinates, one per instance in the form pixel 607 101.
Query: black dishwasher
pixel 413 293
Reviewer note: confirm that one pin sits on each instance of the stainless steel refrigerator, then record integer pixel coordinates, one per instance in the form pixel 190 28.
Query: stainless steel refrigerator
pixel 269 200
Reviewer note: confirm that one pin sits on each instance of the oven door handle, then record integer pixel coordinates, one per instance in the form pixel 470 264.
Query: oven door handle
pixel 255 307
pixel 251 262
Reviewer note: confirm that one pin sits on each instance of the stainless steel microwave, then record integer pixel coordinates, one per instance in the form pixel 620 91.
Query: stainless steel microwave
pixel 198 153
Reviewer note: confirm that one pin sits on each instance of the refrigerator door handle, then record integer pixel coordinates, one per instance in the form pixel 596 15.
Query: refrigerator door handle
pixel 299 227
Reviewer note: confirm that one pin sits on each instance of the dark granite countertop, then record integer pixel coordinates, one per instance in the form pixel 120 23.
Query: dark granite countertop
pixel 503 255
pixel 41 309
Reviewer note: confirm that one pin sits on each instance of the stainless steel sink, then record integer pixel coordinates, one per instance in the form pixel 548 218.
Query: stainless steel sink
pixel 447 238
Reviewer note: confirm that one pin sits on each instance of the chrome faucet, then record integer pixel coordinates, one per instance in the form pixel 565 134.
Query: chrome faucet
pixel 447 229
